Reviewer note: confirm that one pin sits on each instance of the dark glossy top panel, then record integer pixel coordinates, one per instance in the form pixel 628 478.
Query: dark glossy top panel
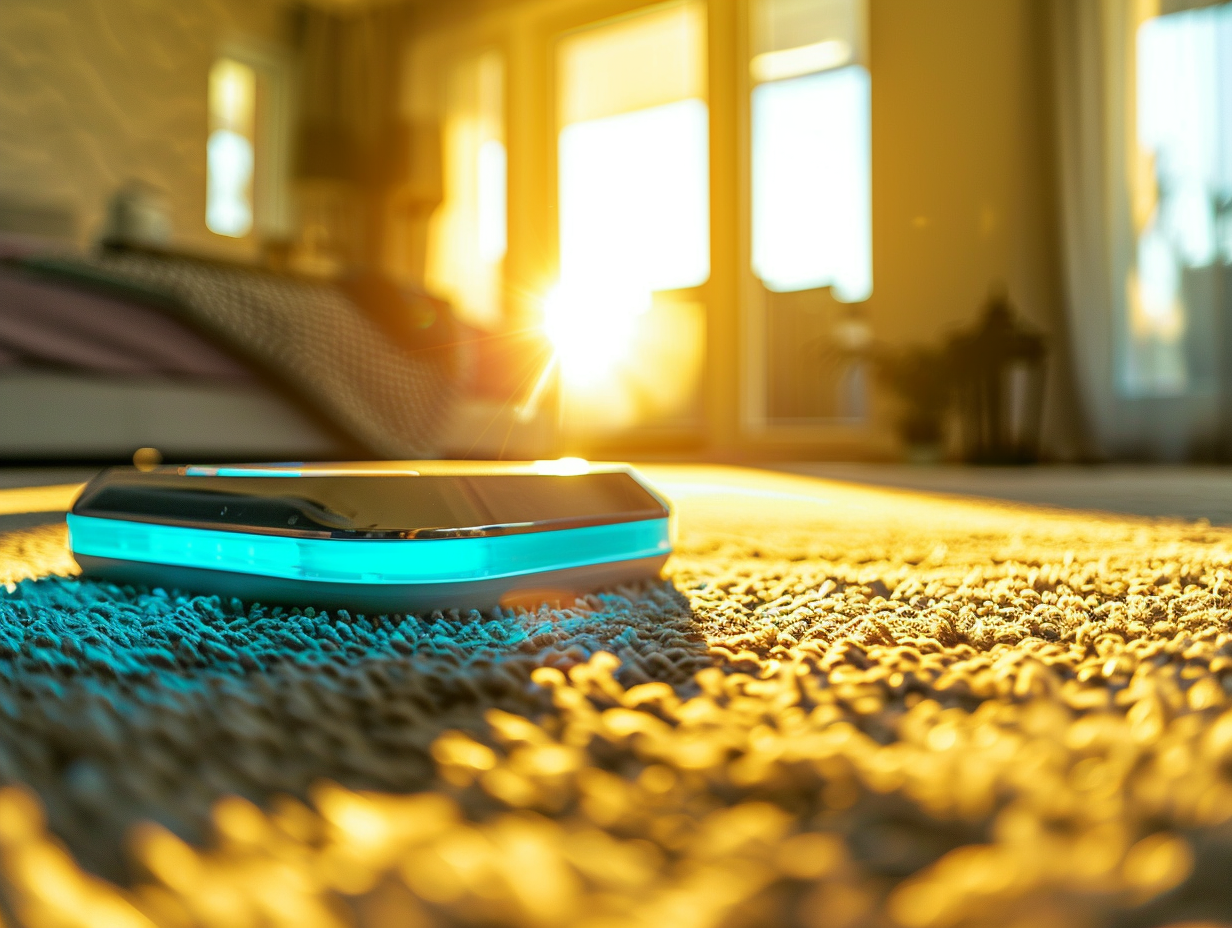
pixel 383 505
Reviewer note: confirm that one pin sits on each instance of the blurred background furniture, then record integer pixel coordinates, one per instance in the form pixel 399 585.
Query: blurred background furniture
pixel 672 227
pixel 132 348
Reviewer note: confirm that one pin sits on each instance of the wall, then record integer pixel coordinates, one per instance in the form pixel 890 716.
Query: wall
pixel 960 153
pixel 96 92
pixel 964 187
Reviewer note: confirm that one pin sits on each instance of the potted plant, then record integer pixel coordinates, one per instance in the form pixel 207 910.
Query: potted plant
pixel 918 376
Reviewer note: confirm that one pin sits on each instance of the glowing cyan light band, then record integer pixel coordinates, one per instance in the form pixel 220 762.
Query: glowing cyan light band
pixel 369 561
pixel 274 470
pixel 293 470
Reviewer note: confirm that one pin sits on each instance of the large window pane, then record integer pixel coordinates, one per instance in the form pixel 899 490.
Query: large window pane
pixel 635 196
pixel 467 235
pixel 634 218
pixel 1182 201
pixel 812 223
pixel 634 151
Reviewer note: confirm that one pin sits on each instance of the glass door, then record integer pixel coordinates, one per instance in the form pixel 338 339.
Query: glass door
pixel 810 215
pixel 633 189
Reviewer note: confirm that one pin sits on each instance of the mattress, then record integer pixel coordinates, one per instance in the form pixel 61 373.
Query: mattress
pixel 101 356
pixel 388 388
pixel 62 415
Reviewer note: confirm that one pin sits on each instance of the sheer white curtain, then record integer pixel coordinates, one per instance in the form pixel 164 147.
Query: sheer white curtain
pixel 1144 127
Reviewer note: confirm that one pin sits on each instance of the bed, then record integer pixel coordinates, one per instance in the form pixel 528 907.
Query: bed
pixel 106 353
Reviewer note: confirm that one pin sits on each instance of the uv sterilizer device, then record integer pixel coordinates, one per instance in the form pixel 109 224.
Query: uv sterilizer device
pixel 388 536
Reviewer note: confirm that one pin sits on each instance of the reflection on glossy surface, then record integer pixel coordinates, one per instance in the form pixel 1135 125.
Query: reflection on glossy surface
pixel 325 503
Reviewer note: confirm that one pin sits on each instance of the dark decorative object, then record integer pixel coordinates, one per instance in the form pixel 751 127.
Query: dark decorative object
pixel 919 377
pixel 138 215
pixel 997 370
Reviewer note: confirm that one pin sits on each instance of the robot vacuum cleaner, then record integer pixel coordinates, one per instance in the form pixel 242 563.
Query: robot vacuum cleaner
pixel 381 536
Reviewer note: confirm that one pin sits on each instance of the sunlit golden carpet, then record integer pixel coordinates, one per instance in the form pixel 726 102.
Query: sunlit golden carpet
pixel 847 707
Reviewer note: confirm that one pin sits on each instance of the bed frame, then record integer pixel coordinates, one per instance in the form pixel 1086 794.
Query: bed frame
pixel 61 415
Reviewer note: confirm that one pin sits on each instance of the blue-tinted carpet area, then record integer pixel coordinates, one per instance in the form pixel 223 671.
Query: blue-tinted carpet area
pixel 119 704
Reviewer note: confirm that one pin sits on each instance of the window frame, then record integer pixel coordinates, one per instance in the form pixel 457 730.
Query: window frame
pixel 273 117
pixel 757 427
pixel 731 418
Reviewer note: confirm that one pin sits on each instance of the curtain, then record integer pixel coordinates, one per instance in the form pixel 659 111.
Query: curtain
pixel 1147 320
pixel 1078 85
pixel 352 144
pixel 1177 6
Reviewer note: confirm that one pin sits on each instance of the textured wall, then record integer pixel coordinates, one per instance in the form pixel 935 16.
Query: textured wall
pixel 96 92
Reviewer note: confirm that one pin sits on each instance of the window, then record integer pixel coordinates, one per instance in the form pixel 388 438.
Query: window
pixel 1181 201
pixel 230 149
pixel 633 181
pixel 810 214
pixel 811 185
pixel 467 236
pixel 612 167
pixel 633 164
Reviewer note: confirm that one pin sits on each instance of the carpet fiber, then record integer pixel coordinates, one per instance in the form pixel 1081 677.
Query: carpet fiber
pixel 843 707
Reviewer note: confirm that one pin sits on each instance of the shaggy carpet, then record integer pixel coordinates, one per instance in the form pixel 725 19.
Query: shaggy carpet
pixel 842 707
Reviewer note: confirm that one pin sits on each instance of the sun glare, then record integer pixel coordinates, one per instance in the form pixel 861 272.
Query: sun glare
pixel 563 467
pixel 592 329
pixel 622 354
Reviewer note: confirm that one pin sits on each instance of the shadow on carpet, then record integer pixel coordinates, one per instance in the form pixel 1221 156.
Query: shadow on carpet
pixel 122 704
